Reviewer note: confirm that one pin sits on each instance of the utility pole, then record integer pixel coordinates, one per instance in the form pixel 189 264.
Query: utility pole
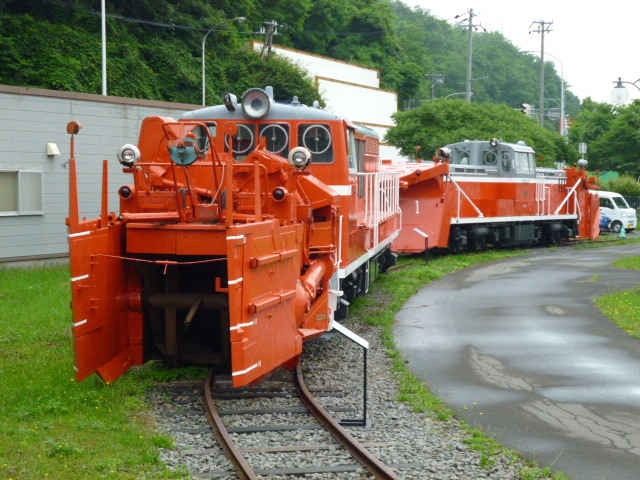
pixel 269 32
pixel 543 27
pixel 436 79
pixel 470 27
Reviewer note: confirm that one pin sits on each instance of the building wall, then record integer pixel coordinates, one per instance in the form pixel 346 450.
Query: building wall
pixel 366 105
pixel 29 119
pixel 320 66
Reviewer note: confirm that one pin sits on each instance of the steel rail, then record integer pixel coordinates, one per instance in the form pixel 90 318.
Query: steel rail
pixel 364 457
pixel 226 442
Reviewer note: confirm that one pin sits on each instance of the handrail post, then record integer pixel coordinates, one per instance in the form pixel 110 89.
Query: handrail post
pixel 229 192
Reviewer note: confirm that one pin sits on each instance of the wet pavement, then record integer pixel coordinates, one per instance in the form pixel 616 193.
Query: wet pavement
pixel 519 348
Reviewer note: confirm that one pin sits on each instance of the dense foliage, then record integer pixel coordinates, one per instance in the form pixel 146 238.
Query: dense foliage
pixel 612 135
pixel 435 124
pixel 154 49
pixel 57 45
pixel 626 185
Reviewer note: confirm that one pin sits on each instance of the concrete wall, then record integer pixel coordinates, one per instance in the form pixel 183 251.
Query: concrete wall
pixel 29 119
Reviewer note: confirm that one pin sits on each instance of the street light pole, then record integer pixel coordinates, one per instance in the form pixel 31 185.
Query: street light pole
pixel 104 47
pixel 204 39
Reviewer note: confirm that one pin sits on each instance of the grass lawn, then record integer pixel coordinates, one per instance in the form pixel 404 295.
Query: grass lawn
pixel 623 308
pixel 53 427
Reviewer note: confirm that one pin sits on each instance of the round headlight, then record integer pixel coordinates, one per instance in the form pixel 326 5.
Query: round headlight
pixel 125 192
pixel 494 142
pixel 255 103
pixel 128 155
pixel 300 157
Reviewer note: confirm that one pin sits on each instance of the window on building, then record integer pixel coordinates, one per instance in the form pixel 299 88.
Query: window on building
pixel 21 192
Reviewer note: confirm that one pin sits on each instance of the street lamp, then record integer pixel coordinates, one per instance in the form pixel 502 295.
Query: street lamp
pixel 237 19
pixel 459 93
pixel 620 94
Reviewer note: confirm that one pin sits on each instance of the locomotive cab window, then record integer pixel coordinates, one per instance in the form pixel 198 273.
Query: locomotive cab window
pixel 317 139
pixel 202 139
pixel 525 162
pixel 353 153
pixel 242 143
pixel 360 153
pixel 277 137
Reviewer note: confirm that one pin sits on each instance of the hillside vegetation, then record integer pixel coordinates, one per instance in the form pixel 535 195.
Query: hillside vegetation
pixel 154 49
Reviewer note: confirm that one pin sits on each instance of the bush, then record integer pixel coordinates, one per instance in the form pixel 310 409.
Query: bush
pixel 625 185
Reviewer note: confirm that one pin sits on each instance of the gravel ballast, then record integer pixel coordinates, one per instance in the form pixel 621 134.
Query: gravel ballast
pixel 424 447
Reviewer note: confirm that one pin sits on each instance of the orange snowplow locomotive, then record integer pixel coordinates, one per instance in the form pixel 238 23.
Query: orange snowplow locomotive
pixel 480 193
pixel 245 231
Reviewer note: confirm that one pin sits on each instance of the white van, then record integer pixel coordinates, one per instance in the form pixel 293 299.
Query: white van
pixel 614 206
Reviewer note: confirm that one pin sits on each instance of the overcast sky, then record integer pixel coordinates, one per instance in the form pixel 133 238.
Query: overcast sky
pixel 596 42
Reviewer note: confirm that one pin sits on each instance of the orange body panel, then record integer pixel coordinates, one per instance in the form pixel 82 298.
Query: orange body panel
pixel 108 335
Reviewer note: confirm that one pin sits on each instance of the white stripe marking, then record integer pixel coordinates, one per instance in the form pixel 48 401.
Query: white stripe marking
pixel 82 322
pixel 233 282
pixel 421 232
pixel 464 178
pixel 527 218
pixel 242 325
pixel 351 335
pixel 342 190
pixel 80 234
pixel 81 277
pixel 242 372
pixel 235 237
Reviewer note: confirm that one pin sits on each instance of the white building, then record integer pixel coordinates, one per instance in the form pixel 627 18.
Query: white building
pixel 351 91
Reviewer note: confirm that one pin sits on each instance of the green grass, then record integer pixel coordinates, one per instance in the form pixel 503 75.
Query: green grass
pixel 386 297
pixel 623 308
pixel 607 240
pixel 53 427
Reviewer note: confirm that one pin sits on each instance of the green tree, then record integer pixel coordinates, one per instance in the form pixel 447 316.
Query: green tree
pixel 612 135
pixel 435 124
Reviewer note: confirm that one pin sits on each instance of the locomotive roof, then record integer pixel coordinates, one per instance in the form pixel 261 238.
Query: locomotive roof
pixel 484 144
pixel 277 111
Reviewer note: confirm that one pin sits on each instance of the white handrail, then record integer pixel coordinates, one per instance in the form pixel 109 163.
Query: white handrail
pixel 461 191
pixel 573 189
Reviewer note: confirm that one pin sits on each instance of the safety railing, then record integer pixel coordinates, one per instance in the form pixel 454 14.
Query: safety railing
pixel 381 197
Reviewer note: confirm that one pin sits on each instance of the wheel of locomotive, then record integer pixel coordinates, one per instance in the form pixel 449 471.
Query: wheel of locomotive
pixel 616 226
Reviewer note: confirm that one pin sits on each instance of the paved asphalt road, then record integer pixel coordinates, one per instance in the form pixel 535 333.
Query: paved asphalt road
pixel 518 347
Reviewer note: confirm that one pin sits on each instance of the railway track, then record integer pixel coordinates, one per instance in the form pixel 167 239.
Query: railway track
pixel 300 414
pixel 413 445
